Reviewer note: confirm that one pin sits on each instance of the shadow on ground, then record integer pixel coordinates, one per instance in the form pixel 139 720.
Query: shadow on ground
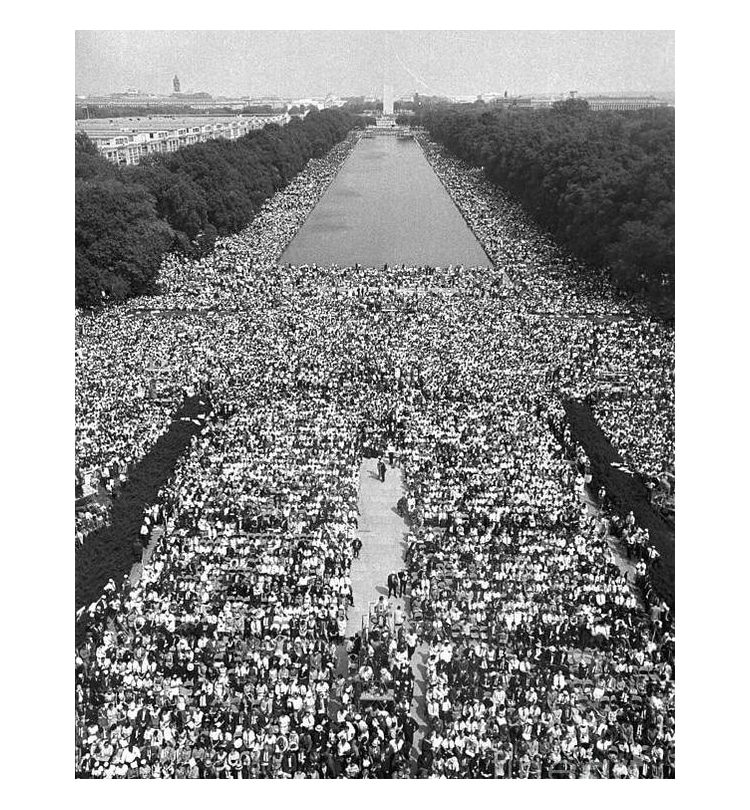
pixel 109 552
pixel 626 491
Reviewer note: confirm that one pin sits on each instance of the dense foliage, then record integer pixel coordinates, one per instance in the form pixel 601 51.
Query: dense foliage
pixel 127 217
pixel 602 183
pixel 136 110
pixel 83 111
pixel 358 105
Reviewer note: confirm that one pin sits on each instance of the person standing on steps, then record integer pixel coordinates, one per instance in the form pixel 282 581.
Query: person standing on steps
pixel 410 727
pixel 146 531
pixel 391 450
pixel 402 582
pixel 381 469
pixel 411 642
pixel 392 584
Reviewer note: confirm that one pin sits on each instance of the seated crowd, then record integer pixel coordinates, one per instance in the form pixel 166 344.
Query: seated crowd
pixel 131 363
pixel 544 656
pixel 617 356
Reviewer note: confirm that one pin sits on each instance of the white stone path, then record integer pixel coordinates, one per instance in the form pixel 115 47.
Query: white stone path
pixel 383 535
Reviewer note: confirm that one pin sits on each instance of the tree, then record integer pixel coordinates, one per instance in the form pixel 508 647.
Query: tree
pixel 118 233
pixel 89 163
pixel 127 217
pixel 179 200
pixel 602 183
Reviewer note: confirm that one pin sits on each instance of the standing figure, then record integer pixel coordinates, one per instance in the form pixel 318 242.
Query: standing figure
pixel 381 469
pixel 391 450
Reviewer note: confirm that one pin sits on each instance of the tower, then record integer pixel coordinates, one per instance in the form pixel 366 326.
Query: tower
pixel 388 75
pixel 176 84
pixel 387 99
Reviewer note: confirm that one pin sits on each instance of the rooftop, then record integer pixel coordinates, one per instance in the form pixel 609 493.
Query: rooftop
pixel 154 123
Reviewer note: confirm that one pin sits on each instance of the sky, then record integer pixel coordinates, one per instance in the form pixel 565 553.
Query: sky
pixel 346 63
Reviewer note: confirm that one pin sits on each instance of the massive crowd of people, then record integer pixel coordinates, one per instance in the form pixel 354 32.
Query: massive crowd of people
pixel 132 369
pixel 544 657
pixel 617 356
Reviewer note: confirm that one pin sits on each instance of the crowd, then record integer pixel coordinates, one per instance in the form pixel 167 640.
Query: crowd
pixel 132 367
pixel 539 654
pixel 614 354
pixel 545 658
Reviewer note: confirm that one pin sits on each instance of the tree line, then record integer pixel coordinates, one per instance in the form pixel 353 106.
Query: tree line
pixel 84 111
pixel 601 182
pixel 128 217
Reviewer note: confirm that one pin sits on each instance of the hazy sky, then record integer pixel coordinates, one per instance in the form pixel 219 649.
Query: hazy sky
pixel 307 63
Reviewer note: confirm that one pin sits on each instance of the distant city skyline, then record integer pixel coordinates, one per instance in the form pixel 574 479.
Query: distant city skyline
pixel 296 64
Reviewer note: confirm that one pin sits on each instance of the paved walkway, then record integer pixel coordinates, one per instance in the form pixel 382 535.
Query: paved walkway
pixel 383 535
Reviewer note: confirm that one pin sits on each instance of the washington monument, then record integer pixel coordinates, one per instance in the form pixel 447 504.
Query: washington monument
pixel 387 99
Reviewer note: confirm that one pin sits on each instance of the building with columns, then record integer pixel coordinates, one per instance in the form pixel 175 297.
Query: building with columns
pixel 127 140
pixel 625 103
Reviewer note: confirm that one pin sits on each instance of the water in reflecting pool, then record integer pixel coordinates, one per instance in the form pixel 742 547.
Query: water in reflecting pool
pixel 386 205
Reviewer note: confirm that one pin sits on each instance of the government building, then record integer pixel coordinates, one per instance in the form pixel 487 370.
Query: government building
pixel 125 141
pixel 624 103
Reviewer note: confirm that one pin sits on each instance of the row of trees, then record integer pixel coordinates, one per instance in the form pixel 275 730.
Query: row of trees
pixel 145 110
pixel 603 183
pixel 127 217
pixel 83 112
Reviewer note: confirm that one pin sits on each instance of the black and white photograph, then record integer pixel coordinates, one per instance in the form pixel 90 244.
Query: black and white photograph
pixel 374 404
